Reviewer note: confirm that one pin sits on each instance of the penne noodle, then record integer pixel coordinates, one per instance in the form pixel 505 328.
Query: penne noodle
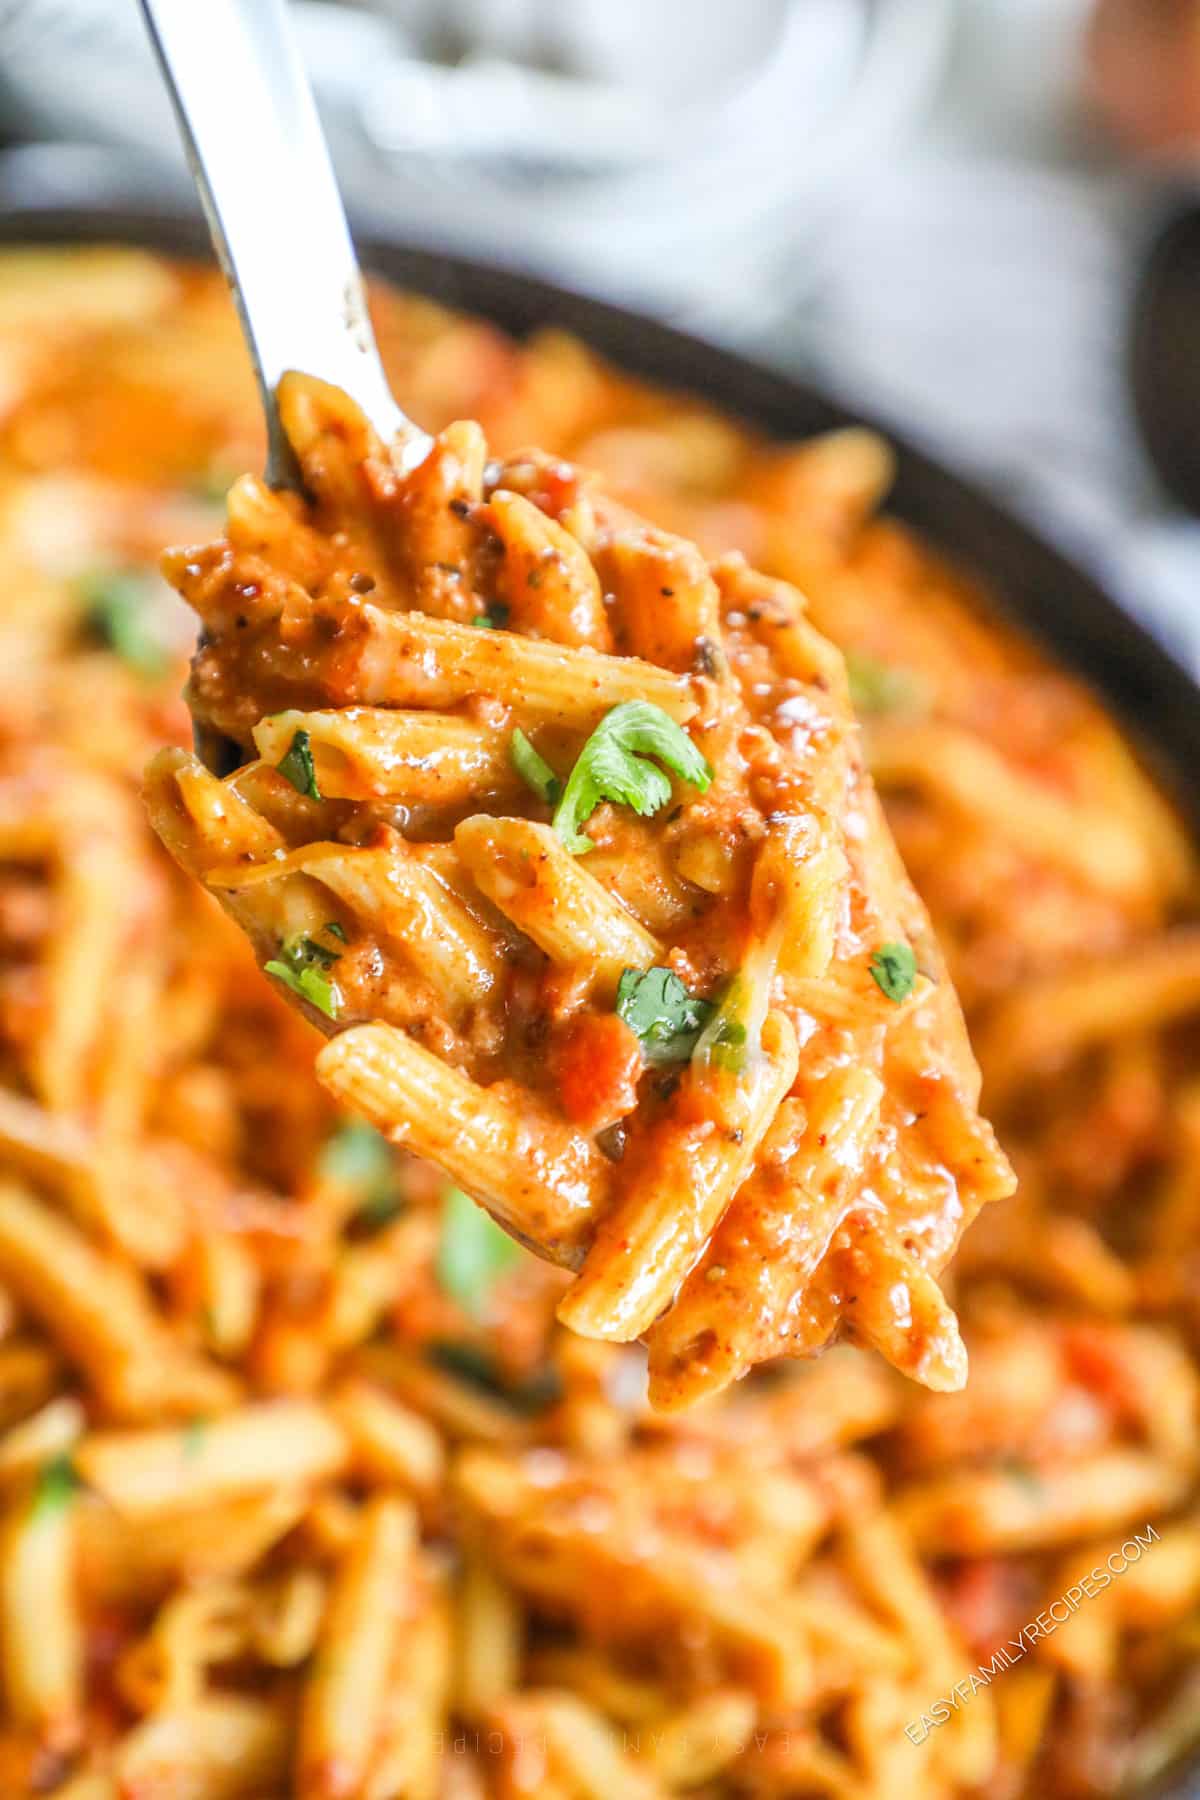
pixel 711 1336
pixel 976 1512
pixel 395 892
pixel 406 659
pixel 1049 1022
pixel 550 585
pixel 693 1166
pixel 344 1701
pixel 281 1442
pixel 100 1313
pixel 374 753
pixel 220 1747
pixel 524 870
pixel 389 1443
pixel 41 1634
pixel 543 1181
pixel 1096 846
pixel 489 1640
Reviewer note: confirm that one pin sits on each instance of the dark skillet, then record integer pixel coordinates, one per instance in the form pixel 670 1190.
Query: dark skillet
pixel 50 198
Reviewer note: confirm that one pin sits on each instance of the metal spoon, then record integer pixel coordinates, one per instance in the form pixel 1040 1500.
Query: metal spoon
pixel 261 164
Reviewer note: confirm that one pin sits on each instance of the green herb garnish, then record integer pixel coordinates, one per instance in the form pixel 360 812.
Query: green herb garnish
pixel 192 1441
pixel 663 1015
pixel 879 687
pixel 211 485
pixel 614 765
pixel 56 1484
pixel 359 1157
pixel 494 619
pixel 1023 1474
pixel 735 1026
pixel 336 930
pixel 119 609
pixel 297 766
pixel 302 966
pixel 894 970
pixel 474 1365
pixel 534 770
pixel 472 1251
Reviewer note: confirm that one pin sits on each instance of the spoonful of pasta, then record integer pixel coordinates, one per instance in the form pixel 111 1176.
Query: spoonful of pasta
pixel 559 831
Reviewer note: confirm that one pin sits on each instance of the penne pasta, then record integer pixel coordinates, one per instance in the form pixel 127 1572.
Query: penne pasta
pixel 345 1695
pixel 41 1637
pixel 546 1181
pixel 373 753
pixel 523 869
pixel 646 1246
pixel 143 1473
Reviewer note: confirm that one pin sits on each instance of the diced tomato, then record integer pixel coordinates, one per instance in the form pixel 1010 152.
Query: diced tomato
pixel 987 1600
pixel 598 1068
pixel 1099 1359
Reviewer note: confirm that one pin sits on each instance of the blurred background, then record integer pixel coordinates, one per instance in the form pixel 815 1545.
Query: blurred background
pixel 939 208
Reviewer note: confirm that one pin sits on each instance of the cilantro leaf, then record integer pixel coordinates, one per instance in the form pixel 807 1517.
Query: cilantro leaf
pixel 894 970
pixel 662 1014
pixel 359 1157
pixel 297 766
pixel 302 965
pixel 212 484
pixel 1023 1474
pixel 494 619
pixel 192 1438
pixel 356 1155
pixel 478 1368
pixel 534 770
pixel 472 1251
pixel 55 1485
pixel 880 687
pixel 732 1031
pixel 119 610
pixel 614 765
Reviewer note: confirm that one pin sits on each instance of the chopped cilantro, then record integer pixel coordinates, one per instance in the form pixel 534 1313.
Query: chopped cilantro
pixel 894 970
pixel 476 1366
pixel 472 1251
pixel 211 485
pixel 336 930
pixel 358 1157
pixel 192 1438
pixel 726 1040
pixel 1024 1475
pixel 494 619
pixel 662 1014
pixel 55 1485
pixel 119 609
pixel 303 966
pixel 614 765
pixel 298 768
pixel 534 770
pixel 880 687
pixel 728 1046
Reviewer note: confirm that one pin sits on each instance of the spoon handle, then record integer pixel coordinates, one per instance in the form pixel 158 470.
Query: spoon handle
pixel 261 164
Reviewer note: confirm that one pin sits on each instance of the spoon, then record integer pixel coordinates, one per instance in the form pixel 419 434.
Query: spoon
pixel 262 167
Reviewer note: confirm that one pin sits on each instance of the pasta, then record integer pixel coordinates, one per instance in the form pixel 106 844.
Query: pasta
pixel 500 998
pixel 304 1489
